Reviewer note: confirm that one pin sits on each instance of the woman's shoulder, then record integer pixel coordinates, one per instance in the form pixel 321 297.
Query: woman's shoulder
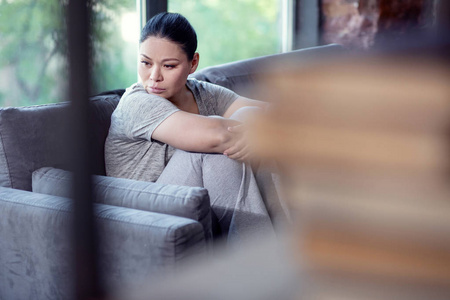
pixel 135 88
pixel 204 88
pixel 136 98
pixel 212 99
pixel 200 84
pixel 137 92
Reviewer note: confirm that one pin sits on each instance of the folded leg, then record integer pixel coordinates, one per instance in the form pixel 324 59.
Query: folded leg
pixel 236 201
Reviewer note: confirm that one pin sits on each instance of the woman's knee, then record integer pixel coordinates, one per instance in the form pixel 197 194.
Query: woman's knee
pixel 205 164
pixel 199 158
pixel 244 112
pixel 181 155
pixel 184 168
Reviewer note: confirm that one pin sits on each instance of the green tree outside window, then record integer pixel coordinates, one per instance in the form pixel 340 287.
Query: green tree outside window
pixel 232 30
pixel 33 47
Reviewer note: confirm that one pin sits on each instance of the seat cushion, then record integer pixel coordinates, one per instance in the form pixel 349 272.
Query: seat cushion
pixel 181 201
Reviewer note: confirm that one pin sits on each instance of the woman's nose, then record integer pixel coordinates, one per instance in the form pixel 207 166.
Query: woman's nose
pixel 156 75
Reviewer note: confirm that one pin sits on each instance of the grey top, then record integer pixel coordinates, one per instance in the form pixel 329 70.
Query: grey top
pixel 130 151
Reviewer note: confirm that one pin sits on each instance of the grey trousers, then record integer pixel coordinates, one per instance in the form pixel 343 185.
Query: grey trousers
pixel 243 201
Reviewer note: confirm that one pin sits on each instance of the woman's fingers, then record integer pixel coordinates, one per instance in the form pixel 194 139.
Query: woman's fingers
pixel 240 150
pixel 240 154
pixel 237 147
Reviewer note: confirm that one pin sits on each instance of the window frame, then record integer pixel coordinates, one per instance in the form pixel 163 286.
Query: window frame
pixel 300 28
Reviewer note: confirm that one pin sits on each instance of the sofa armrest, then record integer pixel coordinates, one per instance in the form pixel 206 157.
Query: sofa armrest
pixel 188 202
pixel 37 252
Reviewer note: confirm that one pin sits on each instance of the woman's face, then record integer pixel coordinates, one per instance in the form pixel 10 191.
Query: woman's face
pixel 164 67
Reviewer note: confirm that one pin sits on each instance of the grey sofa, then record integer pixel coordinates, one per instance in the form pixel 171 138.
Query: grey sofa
pixel 144 228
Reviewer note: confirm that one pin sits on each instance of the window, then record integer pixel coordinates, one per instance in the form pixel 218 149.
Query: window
pixel 115 44
pixel 33 42
pixel 234 29
pixel 33 46
pixel 32 52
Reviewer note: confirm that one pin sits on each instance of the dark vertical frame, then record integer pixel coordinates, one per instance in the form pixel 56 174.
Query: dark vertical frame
pixel 79 26
pixel 307 23
pixel 320 22
pixel 154 7
pixel 442 16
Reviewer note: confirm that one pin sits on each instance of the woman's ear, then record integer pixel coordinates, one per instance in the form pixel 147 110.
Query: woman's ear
pixel 194 62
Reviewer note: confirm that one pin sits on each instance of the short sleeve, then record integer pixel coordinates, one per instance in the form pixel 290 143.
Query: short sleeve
pixel 211 99
pixel 224 98
pixel 139 113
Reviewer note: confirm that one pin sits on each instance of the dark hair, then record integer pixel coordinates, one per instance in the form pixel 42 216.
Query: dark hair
pixel 173 27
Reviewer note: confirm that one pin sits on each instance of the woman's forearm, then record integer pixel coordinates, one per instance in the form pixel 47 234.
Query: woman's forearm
pixel 191 132
pixel 213 134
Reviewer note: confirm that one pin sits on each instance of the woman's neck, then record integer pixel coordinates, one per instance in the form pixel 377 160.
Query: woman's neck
pixel 186 101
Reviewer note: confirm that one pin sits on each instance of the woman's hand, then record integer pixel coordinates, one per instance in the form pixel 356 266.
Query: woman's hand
pixel 240 149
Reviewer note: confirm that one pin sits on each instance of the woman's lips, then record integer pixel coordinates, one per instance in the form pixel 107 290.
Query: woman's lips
pixel 155 90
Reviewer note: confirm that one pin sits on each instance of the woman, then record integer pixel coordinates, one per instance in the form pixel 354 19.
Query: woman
pixel 166 111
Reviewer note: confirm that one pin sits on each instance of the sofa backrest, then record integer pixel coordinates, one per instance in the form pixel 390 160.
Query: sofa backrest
pixel 35 136
pixel 242 76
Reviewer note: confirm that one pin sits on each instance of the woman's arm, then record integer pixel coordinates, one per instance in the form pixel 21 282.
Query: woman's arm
pixel 192 132
pixel 226 135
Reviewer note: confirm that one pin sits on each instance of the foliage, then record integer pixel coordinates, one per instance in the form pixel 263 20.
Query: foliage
pixel 32 40
pixel 114 64
pixel 33 47
pixel 232 30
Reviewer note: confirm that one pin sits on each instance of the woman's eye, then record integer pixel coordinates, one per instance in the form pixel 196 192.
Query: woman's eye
pixel 169 66
pixel 145 62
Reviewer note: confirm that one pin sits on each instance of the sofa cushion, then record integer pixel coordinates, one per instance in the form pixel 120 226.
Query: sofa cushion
pixel 36 136
pixel 182 201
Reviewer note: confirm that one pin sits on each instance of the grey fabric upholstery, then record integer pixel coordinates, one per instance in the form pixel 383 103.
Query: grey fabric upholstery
pixel 36 249
pixel 241 76
pixel 35 136
pixel 182 201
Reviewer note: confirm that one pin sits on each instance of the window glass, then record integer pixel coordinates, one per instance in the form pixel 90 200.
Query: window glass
pixel 33 46
pixel 115 44
pixel 233 29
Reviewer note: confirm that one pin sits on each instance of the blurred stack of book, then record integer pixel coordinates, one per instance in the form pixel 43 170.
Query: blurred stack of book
pixel 363 145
